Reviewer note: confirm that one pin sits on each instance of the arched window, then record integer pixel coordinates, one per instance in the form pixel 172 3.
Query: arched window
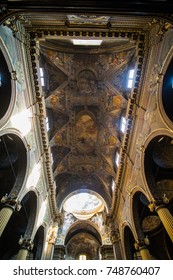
pixel 123 124
pixel 130 78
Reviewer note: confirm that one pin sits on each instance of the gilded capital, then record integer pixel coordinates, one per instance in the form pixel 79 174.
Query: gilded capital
pixel 26 243
pixel 11 202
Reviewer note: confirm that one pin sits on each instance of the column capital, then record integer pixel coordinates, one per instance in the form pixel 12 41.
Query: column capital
pixel 11 202
pixel 11 22
pixel 140 244
pixel 158 202
pixel 26 243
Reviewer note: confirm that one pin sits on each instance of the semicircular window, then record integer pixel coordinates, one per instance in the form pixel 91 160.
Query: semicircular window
pixel 5 86
pixel 167 91
pixel 83 205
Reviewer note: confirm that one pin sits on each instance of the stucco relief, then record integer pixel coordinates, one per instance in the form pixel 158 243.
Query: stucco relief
pixel 139 142
pixel 150 116
pixel 166 46
pixel 88 19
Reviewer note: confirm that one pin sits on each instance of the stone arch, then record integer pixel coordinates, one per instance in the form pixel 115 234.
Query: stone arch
pixel 14 161
pixel 157 164
pixel 157 171
pixel 21 224
pixel 165 97
pixel 80 226
pixel 139 204
pixel 30 202
pixel 37 251
pixel 7 85
pixel 128 242
pixel 90 237
pixel 81 187
pixel 149 228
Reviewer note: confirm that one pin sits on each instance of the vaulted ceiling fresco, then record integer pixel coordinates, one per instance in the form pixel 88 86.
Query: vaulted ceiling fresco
pixel 81 67
pixel 86 94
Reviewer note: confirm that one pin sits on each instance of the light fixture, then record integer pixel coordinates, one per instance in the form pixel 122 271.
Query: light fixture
pixel 81 42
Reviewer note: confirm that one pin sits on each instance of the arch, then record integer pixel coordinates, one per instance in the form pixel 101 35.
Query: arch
pixel 30 203
pixel 7 85
pixel 80 186
pixel 83 238
pixel 165 97
pixel 37 250
pixel 84 204
pixel 80 226
pixel 157 172
pixel 128 241
pixel 20 224
pixel 157 164
pixel 139 205
pixel 13 163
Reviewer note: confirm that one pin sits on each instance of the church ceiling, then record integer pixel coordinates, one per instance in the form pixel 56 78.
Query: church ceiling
pixel 85 96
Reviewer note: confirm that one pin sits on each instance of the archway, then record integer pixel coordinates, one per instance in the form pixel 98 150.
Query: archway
pixel 158 166
pixel 83 239
pixel 36 253
pixel 149 228
pixel 13 164
pixel 21 224
pixel 129 242
pixel 158 170
pixel 167 91
pixel 6 94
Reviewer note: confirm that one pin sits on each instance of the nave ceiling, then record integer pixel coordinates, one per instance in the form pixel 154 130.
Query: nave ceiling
pixel 82 93
pixel 86 94
pixel 85 97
